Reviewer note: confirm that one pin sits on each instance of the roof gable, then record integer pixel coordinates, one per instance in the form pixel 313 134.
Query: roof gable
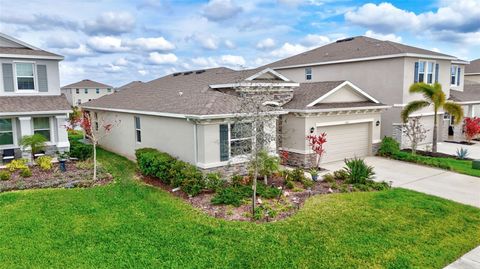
pixel 87 83
pixel 346 92
pixel 268 74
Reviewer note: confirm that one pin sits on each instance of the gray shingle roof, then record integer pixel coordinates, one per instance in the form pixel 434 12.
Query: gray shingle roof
pixel 178 93
pixel 129 85
pixel 27 51
pixel 309 92
pixel 87 83
pixel 356 48
pixel 18 104
pixel 473 67
pixel 471 93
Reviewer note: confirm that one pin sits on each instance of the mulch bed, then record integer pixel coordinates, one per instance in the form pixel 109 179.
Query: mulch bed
pixel 74 177
pixel 460 142
pixel 291 200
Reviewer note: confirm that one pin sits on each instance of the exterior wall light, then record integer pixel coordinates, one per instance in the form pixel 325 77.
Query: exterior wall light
pixel 377 123
pixel 312 130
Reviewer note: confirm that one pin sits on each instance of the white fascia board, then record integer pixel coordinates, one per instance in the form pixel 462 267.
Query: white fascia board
pixel 471 74
pixel 368 59
pixel 336 109
pixel 468 102
pixel 23 56
pixel 179 116
pixel 357 89
pixel 268 70
pixel 345 122
pixel 3 114
pixel 254 84
pixel 460 62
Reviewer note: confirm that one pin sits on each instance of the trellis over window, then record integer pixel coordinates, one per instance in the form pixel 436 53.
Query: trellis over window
pixel 426 71
pixel 6 132
pixel 236 139
pixel 42 126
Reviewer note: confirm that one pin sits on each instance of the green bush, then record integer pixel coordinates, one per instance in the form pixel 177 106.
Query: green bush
pixel 358 171
pixel 18 164
pixel 193 182
pixel 25 172
pixel 268 192
pixel 74 135
pixel 388 147
pixel 297 174
pixel 308 183
pixel 289 184
pixel 80 150
pixel 329 178
pixel 214 181
pixel 435 162
pixel 233 195
pixel 340 175
pixel 4 175
pixel 45 162
pixel 237 180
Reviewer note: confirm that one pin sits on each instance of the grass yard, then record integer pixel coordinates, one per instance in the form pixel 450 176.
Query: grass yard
pixel 459 166
pixel 129 225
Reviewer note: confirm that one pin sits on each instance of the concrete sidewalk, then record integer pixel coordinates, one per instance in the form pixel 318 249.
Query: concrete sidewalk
pixel 471 260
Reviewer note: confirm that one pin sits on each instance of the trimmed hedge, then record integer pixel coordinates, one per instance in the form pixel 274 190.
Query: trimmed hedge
pixel 170 170
pixel 80 150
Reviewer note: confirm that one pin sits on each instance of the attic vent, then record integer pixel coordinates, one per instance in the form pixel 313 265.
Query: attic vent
pixel 187 73
pixel 345 40
pixel 176 74
pixel 200 71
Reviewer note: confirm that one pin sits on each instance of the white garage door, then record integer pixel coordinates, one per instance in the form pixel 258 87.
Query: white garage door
pixel 346 141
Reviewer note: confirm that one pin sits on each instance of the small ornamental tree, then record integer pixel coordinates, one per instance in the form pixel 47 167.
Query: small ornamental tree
pixel 95 130
pixel 317 143
pixel 471 128
pixel 75 118
pixel 415 132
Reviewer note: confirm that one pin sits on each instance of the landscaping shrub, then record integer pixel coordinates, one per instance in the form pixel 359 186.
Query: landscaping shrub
pixel 329 178
pixel 25 172
pixel 388 147
pixel 45 162
pixel 4 175
pixel 340 175
pixel 193 182
pixel 74 135
pixel 80 150
pixel 297 174
pixel 214 181
pixel 233 195
pixel 268 192
pixel 236 180
pixel 307 183
pixel 358 171
pixel 17 165
pixel 289 184
pixel 435 162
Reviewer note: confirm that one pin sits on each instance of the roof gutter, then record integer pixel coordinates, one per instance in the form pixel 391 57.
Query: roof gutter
pixel 34 113
pixel 23 56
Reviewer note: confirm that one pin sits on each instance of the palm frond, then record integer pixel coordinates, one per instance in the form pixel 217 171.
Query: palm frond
pixel 412 107
pixel 425 89
pixel 455 110
pixel 438 98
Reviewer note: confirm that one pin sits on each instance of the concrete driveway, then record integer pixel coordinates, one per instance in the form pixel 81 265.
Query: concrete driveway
pixel 460 188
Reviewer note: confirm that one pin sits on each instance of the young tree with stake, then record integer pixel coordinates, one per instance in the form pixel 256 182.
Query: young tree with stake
pixel 317 143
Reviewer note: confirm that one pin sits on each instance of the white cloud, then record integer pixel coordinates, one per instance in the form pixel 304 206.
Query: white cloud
pixel 111 23
pixel 315 40
pixel 151 43
pixel 80 51
pixel 289 49
pixel 219 10
pixel 389 37
pixel 233 60
pixel 204 62
pixel 121 61
pixel 61 42
pixel 229 44
pixel 207 42
pixel 143 72
pixel 383 18
pixel 111 68
pixel 107 44
pixel 159 58
pixel 266 44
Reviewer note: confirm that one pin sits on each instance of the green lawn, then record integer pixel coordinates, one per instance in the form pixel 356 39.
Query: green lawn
pixel 129 225
pixel 459 166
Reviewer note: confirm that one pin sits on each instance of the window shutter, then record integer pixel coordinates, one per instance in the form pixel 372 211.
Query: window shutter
pixel 7 77
pixel 437 67
pixel 415 75
pixel 458 77
pixel 42 78
pixel 223 142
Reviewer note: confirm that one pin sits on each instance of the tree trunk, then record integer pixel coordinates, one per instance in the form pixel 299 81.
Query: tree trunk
pixel 435 131
pixel 94 161
pixel 265 179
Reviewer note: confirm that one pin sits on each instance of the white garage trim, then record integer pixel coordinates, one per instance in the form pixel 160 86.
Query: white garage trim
pixel 333 123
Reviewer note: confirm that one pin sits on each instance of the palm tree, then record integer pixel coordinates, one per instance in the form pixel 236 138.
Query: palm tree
pixel 434 96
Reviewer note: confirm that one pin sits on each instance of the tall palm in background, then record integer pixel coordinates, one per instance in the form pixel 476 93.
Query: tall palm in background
pixel 433 96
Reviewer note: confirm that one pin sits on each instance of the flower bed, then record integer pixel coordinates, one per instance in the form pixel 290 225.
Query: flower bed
pixel 78 174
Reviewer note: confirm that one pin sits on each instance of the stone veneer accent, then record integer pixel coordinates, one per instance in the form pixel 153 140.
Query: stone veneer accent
pixel 229 170
pixel 301 160
pixel 375 148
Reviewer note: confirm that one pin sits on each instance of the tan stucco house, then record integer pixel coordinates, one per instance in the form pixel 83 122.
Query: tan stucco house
pixel 385 69
pixel 192 115
pixel 85 90
pixel 30 98
pixel 472 71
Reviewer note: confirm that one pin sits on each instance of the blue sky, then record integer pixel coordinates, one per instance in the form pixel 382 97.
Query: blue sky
pixel 117 41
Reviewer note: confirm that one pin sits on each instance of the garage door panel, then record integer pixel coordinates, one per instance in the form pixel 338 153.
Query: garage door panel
pixel 346 141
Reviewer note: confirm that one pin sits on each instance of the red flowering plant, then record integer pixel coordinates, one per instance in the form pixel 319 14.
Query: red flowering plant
pixel 317 143
pixel 471 128
pixel 284 157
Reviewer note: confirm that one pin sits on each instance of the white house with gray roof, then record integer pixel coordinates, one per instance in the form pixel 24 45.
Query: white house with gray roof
pixel 85 90
pixel 30 98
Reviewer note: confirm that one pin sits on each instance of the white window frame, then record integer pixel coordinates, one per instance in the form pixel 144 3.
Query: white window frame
pixel 35 83
pixel 426 71
pixel 77 91
pixel 308 72
pixel 50 129
pixel 79 101
pixel 14 134
pixel 137 130
pixel 85 91
pixel 109 89
pixel 230 140
pixel 97 91
pixel 456 75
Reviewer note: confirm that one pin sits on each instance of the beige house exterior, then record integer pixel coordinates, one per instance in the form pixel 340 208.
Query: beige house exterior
pixel 385 69
pixel 472 71
pixel 85 90
pixel 30 99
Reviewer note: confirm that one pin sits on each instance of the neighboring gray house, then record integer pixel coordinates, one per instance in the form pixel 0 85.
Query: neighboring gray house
pixel 85 90
pixel 194 115
pixel 129 85
pixel 472 71
pixel 384 69
pixel 30 98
